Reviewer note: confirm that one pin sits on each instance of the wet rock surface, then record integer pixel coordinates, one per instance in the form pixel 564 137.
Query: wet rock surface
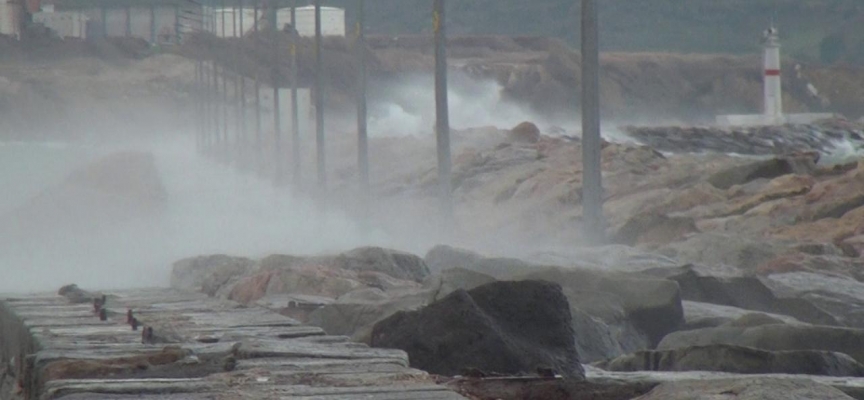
pixel 220 350
pixel 501 327
pixel 765 140
pixel 741 389
pixel 741 360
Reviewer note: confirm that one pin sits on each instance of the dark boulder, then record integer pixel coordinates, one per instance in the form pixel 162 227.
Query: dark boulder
pixel 501 327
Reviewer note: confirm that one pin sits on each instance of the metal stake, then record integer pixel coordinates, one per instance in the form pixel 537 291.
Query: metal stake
pixel 319 105
pixel 592 185
pixel 442 120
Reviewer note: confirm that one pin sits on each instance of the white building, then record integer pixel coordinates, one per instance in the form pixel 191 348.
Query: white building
pixel 67 24
pixel 332 20
pixel 10 19
pixel 228 22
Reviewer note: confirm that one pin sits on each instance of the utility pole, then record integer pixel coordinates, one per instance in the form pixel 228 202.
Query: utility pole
pixel 216 106
pixel 258 143
pixel 592 184
pixel 362 134
pixel 277 144
pixel 225 141
pixel 295 112
pixel 319 105
pixel 442 120
pixel 152 24
pixel 196 98
pixel 243 139
pixel 237 77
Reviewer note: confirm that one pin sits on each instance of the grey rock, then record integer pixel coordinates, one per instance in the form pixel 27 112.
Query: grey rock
pixel 394 263
pixel 775 337
pixel 705 315
pixel 443 257
pixel 208 273
pixel 652 305
pixel 760 388
pixel 741 360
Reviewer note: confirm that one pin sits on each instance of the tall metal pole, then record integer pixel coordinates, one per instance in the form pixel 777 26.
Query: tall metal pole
pixel 277 128
pixel 152 24
pixel 197 99
pixel 362 134
pixel 225 141
pixel 319 104
pixel 592 185
pixel 295 112
pixel 236 79
pixel 104 16
pixel 258 144
pixel 217 111
pixel 442 120
pixel 128 21
pixel 207 100
pixel 242 133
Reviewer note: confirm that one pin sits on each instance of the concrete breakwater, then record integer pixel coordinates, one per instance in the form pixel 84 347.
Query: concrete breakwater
pixel 52 348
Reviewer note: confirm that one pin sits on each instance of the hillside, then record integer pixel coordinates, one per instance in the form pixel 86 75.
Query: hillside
pixel 700 26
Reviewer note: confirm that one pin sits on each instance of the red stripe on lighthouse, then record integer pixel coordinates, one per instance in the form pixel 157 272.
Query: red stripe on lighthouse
pixel 772 72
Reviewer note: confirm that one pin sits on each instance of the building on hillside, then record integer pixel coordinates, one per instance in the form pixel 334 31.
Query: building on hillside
pixel 332 20
pixel 66 24
pixel 230 22
pixel 10 18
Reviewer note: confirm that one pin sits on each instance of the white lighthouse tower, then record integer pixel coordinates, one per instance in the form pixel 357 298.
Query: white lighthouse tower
pixel 772 109
pixel 773 92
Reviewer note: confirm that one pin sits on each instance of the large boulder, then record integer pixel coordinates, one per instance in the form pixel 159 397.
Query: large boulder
pixel 768 169
pixel 652 305
pixel 760 388
pixel 356 313
pixel 841 297
pixel 500 327
pixel 725 249
pixel 745 292
pixel 394 263
pixel 208 273
pixel 705 315
pixel 740 360
pixel 774 337
pixel 526 132
pixel 443 257
pixel 653 230
pixel 450 280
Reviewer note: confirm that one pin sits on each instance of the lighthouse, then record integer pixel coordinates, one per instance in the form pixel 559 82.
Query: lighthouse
pixel 772 107
pixel 773 104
